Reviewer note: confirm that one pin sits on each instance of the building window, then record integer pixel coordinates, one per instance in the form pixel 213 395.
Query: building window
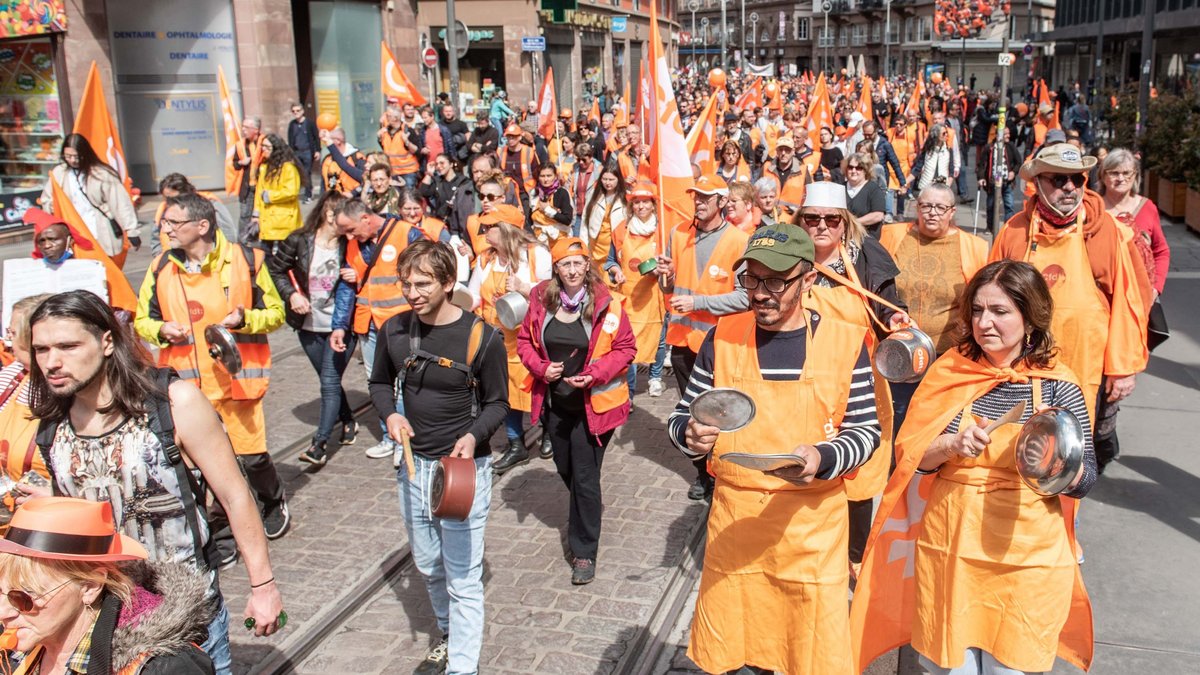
pixel 908 30
pixel 801 27
pixel 858 36
pixel 894 33
pixel 843 37
pixel 876 31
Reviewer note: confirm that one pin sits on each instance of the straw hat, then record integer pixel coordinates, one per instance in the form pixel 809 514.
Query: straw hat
pixel 1057 158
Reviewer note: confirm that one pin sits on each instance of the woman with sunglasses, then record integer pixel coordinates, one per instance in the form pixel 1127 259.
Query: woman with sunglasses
pixel 865 199
pixel 577 342
pixel 490 190
pixel 306 271
pixel 606 209
pixel 79 597
pixel 857 262
pixel 514 262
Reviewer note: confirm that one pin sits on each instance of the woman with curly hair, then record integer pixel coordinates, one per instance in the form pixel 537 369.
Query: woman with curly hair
pixel 277 195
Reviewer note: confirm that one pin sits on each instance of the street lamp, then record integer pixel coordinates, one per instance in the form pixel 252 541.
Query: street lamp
pixel 887 39
pixel 754 33
pixel 743 34
pixel 724 37
pixel 826 7
pixel 693 5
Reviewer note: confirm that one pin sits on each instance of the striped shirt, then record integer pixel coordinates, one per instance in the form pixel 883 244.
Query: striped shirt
pixel 781 357
pixel 12 377
pixel 1056 393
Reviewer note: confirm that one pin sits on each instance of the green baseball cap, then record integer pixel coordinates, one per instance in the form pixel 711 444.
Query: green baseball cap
pixel 780 247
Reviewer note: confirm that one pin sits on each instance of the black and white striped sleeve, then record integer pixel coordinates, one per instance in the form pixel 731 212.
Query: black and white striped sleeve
pixel 701 381
pixel 859 433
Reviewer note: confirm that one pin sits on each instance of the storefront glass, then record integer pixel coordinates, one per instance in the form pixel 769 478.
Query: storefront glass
pixel 480 72
pixel 345 52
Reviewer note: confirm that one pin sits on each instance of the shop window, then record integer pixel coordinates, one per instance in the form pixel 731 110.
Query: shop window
pixel 345 52
pixel 30 125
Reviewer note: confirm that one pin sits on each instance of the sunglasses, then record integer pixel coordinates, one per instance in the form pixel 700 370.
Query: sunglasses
pixel 484 197
pixel 832 222
pixel 853 167
pixel 23 602
pixel 1059 180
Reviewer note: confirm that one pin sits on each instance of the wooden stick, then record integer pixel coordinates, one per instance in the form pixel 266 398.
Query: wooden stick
pixel 408 455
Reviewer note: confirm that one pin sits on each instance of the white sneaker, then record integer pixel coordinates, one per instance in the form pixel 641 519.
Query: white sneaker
pixel 381 449
pixel 656 387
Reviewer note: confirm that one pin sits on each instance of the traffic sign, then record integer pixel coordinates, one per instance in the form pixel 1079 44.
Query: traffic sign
pixel 462 39
pixel 429 57
pixel 753 17
pixel 827 6
pixel 1005 59
pixel 618 24
pixel 533 44
pixel 1027 49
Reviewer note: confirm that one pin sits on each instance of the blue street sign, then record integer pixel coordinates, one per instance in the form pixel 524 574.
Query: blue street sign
pixel 618 24
pixel 533 44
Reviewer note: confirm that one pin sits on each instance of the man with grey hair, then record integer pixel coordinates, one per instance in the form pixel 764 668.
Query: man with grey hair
pixel 245 161
pixel 766 190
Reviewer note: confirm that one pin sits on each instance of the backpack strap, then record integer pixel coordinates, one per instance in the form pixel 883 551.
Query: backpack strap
pixel 476 344
pixel 44 439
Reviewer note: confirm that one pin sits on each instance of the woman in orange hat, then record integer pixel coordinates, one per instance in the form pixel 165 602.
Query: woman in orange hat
pixel 79 596
pixel 577 343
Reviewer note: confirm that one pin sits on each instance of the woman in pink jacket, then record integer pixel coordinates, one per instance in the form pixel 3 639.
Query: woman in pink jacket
pixel 577 343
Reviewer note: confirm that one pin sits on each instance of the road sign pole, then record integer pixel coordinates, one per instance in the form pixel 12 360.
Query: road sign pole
pixel 452 52
pixel 999 158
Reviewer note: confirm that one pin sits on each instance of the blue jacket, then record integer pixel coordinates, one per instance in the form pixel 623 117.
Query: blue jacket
pixel 889 160
pixel 344 294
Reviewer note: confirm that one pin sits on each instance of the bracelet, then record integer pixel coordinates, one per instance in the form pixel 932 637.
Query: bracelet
pixel 268 581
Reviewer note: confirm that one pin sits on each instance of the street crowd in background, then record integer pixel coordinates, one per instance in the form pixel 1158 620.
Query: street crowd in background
pixel 512 271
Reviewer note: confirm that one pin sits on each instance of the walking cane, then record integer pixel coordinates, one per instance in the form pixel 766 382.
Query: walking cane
pixel 975 218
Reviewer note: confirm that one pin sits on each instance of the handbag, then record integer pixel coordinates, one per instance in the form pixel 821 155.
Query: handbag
pixel 1157 330
pixel 117 230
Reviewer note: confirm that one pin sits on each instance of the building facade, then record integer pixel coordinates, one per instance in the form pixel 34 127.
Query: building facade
pixel 771 32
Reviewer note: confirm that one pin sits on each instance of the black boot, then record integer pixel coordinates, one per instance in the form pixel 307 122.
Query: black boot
pixel 516 455
pixel 547 450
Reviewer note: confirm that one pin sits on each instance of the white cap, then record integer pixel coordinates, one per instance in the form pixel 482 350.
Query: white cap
pixel 856 118
pixel 826 195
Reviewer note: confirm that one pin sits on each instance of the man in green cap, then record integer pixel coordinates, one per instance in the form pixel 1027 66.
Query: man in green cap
pixel 773 592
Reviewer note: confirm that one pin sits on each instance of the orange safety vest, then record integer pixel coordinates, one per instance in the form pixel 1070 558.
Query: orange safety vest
pixel 775 566
pixel 233 176
pixel 491 287
pixel 688 330
pixel 526 168
pixel 610 395
pixel 18 451
pixel 432 228
pixel 403 160
pixel 1013 588
pixel 479 242
pixel 334 178
pixel 197 300
pixel 379 297
pixel 163 239
pixel 645 303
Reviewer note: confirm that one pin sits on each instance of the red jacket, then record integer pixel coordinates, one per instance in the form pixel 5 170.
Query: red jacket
pixel 624 349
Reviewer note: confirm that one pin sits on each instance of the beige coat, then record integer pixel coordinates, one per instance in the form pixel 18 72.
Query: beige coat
pixel 104 191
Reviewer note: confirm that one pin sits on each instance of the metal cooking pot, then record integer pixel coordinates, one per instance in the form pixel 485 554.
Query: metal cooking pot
pixel 904 356
pixel 461 297
pixel 1050 451
pixel 452 491
pixel 223 348
pixel 724 408
pixel 511 309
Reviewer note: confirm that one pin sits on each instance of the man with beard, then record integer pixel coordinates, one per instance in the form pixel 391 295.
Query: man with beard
pixel 698 270
pixel 484 138
pixel 775 566
pixel 1097 281
pixel 106 419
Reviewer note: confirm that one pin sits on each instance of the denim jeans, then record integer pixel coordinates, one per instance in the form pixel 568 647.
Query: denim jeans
pixel 660 356
pixel 976 662
pixel 1006 198
pixel 449 555
pixel 330 366
pixel 217 644
pixel 575 225
pixel 889 202
pixel 368 354
pixel 514 424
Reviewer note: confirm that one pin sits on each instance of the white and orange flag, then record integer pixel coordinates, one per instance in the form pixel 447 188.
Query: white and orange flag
pixel 233 132
pixel 865 105
pixel 701 140
pixel 820 113
pixel 668 149
pixel 645 102
pixel 395 83
pixel 94 123
pixel 547 107
pixel 752 97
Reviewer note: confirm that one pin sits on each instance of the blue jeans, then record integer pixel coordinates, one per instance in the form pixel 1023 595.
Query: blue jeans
pixel 217 644
pixel 976 662
pixel 410 180
pixel 449 554
pixel 575 225
pixel 330 366
pixel 514 424
pixel 889 202
pixel 368 354
pixel 1006 198
pixel 656 368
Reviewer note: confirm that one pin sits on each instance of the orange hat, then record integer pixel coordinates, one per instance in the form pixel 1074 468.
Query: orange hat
pixel 644 189
pixel 65 528
pixel 504 213
pixel 565 247
pixel 1022 109
pixel 512 130
pixel 566 113
pixel 42 220
pixel 710 184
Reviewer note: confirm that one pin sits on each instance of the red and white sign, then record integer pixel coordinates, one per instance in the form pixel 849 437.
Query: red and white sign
pixel 429 57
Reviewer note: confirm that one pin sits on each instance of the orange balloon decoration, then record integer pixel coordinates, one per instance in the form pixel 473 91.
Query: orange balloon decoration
pixel 326 121
pixel 935 77
pixel 716 78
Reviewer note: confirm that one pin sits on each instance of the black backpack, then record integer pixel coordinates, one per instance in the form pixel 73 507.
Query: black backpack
pixel 162 423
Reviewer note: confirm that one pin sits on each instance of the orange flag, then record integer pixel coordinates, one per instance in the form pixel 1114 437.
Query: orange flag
pixel 395 83
pixel 94 123
pixel 701 140
pixel 865 105
pixel 547 107
pixel 668 147
pixel 594 113
pixel 752 97
pixel 820 113
pixel 627 103
pixel 120 293
pixel 233 132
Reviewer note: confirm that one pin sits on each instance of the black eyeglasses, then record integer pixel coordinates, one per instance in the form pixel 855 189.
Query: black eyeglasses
pixel 23 602
pixel 832 222
pixel 1059 180
pixel 484 197
pixel 772 284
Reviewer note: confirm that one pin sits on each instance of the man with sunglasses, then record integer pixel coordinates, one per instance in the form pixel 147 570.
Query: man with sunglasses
pixel 776 564
pixel 1066 233
pixel 698 270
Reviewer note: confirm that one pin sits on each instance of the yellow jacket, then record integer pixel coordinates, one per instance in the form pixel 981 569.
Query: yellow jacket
pixel 265 316
pixel 279 213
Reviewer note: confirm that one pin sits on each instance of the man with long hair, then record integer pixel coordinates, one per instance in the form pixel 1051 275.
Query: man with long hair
pixel 206 280
pixel 100 402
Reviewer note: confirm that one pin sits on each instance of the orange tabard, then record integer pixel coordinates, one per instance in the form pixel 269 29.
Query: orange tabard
pixel 644 298
pixel 688 330
pixel 379 297
pixel 520 382
pixel 1081 312
pixel 604 240
pixel 935 576
pixel 198 300
pixel 395 146
pixel 972 250
pixel 17 431
pixel 842 303
pixel 773 590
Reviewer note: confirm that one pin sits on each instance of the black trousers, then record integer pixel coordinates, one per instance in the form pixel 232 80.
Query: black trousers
pixel 683 360
pixel 1104 429
pixel 578 456
pixel 264 484
pixel 860 528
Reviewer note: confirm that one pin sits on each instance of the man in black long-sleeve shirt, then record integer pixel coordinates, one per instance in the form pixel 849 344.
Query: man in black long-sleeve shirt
pixel 302 137
pixel 446 416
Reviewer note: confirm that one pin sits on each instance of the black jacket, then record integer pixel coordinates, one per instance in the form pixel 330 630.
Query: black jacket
pixel 878 273
pixel 561 201
pixel 983 164
pixel 302 136
pixel 440 194
pixel 458 138
pixel 294 255
pixel 488 140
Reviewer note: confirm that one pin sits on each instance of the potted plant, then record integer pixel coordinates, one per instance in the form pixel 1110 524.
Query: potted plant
pixel 1169 123
pixel 1191 153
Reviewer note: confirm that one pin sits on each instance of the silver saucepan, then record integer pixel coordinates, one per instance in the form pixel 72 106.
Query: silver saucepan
pixel 511 309
pixel 904 356
pixel 1050 451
